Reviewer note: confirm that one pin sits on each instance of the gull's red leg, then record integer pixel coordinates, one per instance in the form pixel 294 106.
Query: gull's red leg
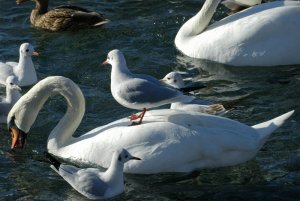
pixel 141 116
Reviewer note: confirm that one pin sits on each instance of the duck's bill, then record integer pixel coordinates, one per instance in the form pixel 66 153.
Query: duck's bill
pixel 18 138
pixel 135 158
pixel 35 54
pixel 21 1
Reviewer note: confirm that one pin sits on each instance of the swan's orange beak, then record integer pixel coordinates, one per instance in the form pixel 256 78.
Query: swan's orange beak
pixel 105 62
pixel 18 138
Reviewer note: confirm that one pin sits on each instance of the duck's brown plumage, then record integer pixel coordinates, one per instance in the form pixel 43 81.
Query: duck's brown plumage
pixel 63 17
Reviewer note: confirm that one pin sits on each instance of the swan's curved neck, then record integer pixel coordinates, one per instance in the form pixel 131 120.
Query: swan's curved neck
pixel 28 107
pixel 199 22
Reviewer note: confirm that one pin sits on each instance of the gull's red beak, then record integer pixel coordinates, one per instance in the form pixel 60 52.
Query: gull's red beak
pixel 35 53
pixel 18 138
pixel 135 158
pixel 105 62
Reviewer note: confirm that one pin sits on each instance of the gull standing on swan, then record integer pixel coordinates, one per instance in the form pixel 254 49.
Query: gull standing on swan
pixel 263 35
pixel 12 96
pixel 175 80
pixel 91 182
pixel 64 17
pixel 24 70
pixel 138 91
pixel 167 141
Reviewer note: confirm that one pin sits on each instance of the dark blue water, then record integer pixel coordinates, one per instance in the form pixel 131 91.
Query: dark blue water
pixel 145 31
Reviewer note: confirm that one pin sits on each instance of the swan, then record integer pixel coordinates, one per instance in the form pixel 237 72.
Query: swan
pixel 138 91
pixel 63 18
pixel 12 96
pixel 167 141
pixel 175 80
pixel 93 183
pixel 24 70
pixel 263 35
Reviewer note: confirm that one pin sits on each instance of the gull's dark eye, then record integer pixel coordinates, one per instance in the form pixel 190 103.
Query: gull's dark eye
pixel 119 159
pixel 11 83
pixel 168 78
pixel 27 50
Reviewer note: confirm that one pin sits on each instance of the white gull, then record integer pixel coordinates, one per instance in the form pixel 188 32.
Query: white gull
pixel 138 91
pixel 12 96
pixel 175 80
pixel 93 183
pixel 24 70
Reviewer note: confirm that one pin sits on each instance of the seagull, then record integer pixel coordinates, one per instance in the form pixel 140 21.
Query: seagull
pixel 138 91
pixel 91 182
pixel 12 96
pixel 24 70
pixel 175 80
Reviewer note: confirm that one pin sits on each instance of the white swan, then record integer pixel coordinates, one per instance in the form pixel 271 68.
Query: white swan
pixel 175 80
pixel 12 96
pixel 263 35
pixel 167 141
pixel 24 70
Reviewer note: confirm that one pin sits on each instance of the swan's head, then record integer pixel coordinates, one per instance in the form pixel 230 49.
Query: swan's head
pixel 122 156
pixel 27 50
pixel 115 58
pixel 173 79
pixel 12 83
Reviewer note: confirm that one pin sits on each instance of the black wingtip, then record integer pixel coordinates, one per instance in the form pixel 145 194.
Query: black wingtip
pixel 52 160
pixel 191 88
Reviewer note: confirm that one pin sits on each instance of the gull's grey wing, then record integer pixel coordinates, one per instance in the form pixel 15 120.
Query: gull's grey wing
pixel 148 77
pixel 144 91
pixel 85 181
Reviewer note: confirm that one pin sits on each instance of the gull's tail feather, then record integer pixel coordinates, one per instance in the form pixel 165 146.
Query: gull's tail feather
pixel 266 128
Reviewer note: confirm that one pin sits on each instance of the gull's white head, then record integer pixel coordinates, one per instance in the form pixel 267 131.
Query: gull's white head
pixel 115 57
pixel 12 83
pixel 27 50
pixel 173 79
pixel 122 156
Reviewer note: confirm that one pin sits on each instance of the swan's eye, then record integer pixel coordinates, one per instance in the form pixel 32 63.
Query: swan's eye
pixel 119 158
pixel 27 50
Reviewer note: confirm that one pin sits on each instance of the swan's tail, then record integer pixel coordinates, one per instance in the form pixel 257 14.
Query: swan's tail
pixel 266 128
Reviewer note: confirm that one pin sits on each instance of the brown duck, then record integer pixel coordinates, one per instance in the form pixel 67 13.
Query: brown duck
pixel 64 17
